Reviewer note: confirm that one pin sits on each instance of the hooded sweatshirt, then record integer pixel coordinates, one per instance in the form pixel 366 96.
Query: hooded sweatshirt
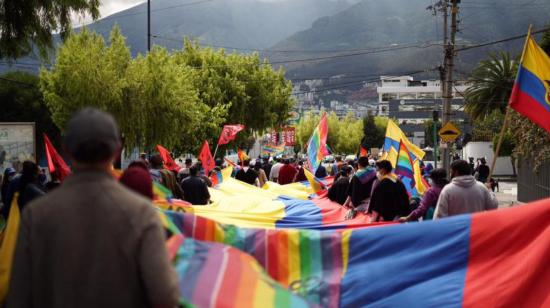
pixel 464 195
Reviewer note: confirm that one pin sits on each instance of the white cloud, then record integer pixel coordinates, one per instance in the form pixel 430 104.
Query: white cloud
pixel 106 8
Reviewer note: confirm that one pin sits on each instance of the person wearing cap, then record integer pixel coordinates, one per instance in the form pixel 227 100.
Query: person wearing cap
pixel 91 242
pixel 184 172
pixel 195 189
pixel 389 199
pixel 138 179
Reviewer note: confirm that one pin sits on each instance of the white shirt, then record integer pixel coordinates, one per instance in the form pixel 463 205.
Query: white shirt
pixel 274 173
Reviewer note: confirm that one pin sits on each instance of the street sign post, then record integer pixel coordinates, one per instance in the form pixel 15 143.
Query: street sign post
pixel 449 132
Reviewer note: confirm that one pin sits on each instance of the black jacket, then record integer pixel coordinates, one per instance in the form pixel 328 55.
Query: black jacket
pixel 249 176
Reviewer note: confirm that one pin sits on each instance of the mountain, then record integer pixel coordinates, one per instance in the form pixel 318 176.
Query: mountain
pixel 236 23
pixel 394 26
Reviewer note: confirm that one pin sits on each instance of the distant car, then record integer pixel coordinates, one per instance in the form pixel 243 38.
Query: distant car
pixel 351 157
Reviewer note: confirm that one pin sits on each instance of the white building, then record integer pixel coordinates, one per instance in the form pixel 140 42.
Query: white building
pixel 406 88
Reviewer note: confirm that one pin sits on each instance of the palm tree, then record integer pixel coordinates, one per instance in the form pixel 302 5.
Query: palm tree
pixel 491 85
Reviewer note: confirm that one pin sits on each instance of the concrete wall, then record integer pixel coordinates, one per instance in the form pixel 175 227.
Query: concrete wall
pixel 485 149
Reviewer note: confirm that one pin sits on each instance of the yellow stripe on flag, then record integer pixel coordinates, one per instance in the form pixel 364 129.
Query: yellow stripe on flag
pixel 536 60
pixel 7 248
pixel 294 270
pixel 395 133
pixel 346 235
pixel 315 186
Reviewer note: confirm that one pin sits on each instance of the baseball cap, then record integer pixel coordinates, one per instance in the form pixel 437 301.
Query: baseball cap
pixel 92 136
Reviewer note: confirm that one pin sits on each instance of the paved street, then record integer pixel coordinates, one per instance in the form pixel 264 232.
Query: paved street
pixel 508 194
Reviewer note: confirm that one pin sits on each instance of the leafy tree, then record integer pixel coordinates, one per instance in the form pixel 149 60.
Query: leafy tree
pixel 152 97
pixel 344 135
pixel 27 24
pixel 373 134
pixel 492 81
pixel 507 147
pixel 486 129
pixel 22 102
pixel 253 93
pixel 429 131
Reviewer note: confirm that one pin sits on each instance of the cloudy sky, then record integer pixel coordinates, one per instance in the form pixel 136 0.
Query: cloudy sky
pixel 107 8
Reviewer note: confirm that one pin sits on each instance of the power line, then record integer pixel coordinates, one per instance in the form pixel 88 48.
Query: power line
pixel 416 44
pixel 501 40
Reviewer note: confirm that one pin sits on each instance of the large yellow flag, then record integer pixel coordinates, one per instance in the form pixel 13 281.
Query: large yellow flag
pixel 7 248
pixel 394 135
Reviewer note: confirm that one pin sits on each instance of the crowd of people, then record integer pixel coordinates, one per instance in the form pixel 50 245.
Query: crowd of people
pixel 105 227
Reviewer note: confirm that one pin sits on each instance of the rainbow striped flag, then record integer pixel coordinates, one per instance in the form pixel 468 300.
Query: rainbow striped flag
pixel 309 263
pixel 161 192
pixel 224 265
pixel 317 144
pixel 273 150
pixel 404 167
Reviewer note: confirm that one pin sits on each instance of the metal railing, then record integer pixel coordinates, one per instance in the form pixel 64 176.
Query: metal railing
pixel 533 185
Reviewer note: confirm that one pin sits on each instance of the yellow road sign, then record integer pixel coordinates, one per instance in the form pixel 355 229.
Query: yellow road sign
pixel 449 132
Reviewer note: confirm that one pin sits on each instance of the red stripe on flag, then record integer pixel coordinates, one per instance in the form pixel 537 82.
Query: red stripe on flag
pixel 508 261
pixel 530 108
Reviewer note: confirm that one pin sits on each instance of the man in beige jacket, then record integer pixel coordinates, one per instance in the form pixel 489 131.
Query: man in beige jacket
pixel 91 242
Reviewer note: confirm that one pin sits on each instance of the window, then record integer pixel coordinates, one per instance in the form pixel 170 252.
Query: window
pixel 407 95
pixel 426 95
pixel 388 96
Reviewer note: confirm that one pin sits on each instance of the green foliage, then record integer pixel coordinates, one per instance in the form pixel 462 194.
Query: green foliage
pixel 508 144
pixel 490 126
pixel 22 102
pixel 492 81
pixel 253 93
pixel 27 24
pixel 344 135
pixel 177 100
pixel 373 132
pixel 429 131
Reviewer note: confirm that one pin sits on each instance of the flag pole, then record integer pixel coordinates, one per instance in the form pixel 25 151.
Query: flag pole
pixel 507 116
pixel 216 151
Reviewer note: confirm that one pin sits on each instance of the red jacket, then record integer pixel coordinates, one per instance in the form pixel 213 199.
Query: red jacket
pixel 286 174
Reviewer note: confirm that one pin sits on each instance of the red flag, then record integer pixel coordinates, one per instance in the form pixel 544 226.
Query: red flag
pixel 229 133
pixel 205 156
pixel 169 162
pixel 363 152
pixel 56 164
pixel 230 162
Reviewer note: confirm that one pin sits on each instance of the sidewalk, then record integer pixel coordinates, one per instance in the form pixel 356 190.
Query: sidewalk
pixel 508 194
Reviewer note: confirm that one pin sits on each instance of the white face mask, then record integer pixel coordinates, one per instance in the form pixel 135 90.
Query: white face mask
pixel 430 182
pixel 379 175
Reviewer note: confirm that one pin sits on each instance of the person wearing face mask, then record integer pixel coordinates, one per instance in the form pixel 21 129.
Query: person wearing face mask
pixel 389 199
pixel 437 180
pixel 464 194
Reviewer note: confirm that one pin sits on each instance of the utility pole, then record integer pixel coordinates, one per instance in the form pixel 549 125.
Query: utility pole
pixel 447 85
pixel 148 25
